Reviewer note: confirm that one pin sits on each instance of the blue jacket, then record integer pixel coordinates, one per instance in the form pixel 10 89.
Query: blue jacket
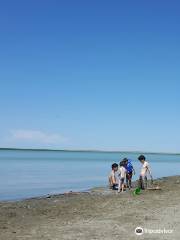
pixel 129 166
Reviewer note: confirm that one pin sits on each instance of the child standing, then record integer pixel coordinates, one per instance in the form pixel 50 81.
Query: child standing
pixel 144 171
pixel 122 175
pixel 130 171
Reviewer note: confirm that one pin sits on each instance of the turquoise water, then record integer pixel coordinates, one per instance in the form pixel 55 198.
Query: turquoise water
pixel 25 173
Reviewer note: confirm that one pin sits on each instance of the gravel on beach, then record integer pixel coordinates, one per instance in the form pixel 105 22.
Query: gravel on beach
pixel 97 214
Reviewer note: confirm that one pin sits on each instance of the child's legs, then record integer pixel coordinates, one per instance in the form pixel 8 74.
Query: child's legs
pixel 130 179
pixel 130 185
pixel 141 183
pixel 127 180
pixel 119 187
pixel 122 184
pixel 145 182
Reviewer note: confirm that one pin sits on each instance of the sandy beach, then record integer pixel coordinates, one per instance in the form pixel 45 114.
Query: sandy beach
pixel 98 214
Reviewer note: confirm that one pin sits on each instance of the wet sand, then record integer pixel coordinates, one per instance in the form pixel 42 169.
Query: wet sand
pixel 98 214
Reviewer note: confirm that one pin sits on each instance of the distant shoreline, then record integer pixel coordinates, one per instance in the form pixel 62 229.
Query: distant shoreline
pixel 86 150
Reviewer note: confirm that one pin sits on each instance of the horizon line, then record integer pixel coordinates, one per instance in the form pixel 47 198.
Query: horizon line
pixel 87 150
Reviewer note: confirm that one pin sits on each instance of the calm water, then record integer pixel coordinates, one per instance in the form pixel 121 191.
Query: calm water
pixel 25 174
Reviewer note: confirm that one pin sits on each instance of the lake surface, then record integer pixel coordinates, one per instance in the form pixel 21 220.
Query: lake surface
pixel 26 173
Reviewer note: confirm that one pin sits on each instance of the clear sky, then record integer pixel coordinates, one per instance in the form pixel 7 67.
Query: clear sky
pixel 90 74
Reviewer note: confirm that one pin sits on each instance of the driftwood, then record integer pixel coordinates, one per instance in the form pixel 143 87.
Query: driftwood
pixel 154 188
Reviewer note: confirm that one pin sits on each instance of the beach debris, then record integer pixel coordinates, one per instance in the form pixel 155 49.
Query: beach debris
pixel 75 193
pixel 154 188
pixel 48 196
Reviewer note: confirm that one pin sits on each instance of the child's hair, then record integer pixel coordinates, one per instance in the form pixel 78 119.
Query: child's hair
pixel 125 160
pixel 122 163
pixel 114 165
pixel 141 157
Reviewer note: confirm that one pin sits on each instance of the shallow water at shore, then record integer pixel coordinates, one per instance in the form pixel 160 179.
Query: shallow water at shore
pixel 95 215
pixel 25 173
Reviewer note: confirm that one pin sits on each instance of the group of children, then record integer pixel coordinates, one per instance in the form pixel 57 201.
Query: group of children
pixel 125 170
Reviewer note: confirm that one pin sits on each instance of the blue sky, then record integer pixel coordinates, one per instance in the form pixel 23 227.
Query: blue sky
pixel 90 75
